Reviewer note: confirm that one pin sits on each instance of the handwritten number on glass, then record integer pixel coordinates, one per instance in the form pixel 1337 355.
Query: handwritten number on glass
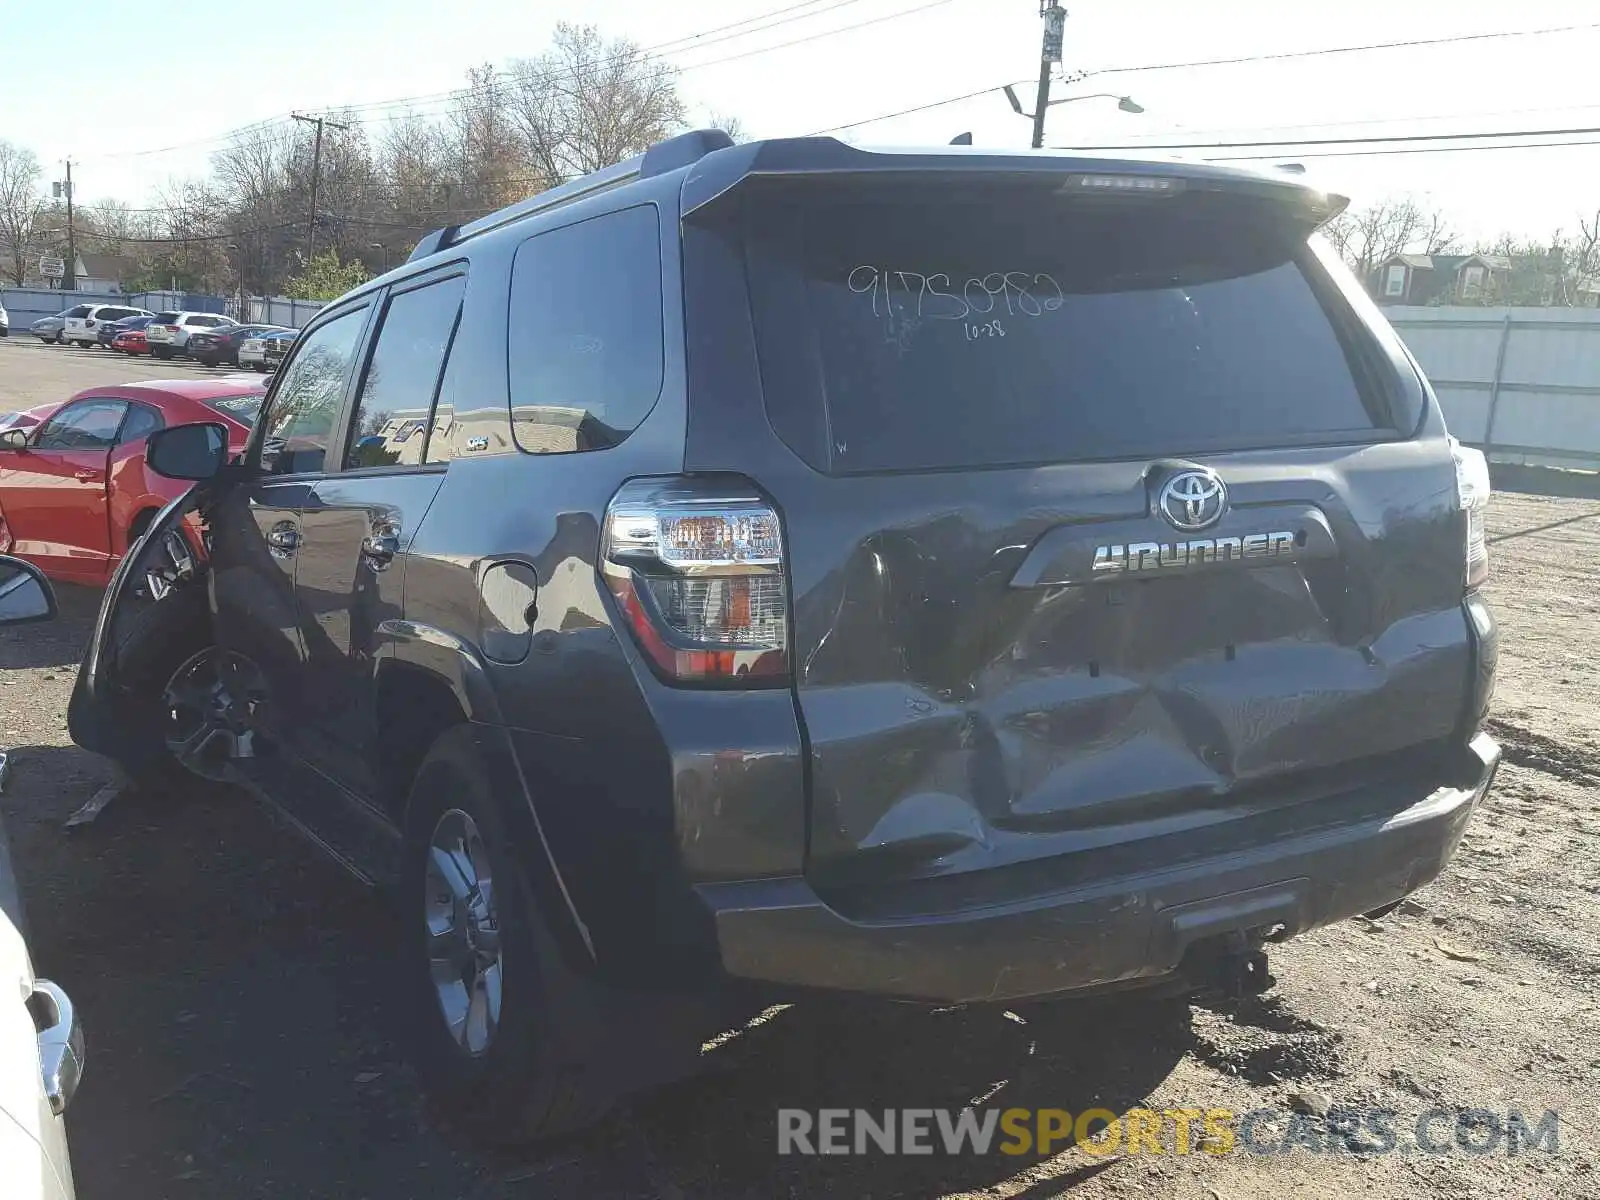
pixel 914 295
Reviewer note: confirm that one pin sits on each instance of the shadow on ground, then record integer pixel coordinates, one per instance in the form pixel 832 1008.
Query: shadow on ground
pixel 242 1017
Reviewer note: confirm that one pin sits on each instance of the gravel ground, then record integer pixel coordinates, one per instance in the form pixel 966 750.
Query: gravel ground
pixel 243 1041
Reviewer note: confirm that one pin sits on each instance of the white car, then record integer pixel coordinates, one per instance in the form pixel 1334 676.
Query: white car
pixel 168 333
pixel 82 323
pixel 41 1044
pixel 5 320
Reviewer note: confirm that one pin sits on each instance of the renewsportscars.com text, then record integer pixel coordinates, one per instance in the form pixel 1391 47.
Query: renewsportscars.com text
pixel 1217 1131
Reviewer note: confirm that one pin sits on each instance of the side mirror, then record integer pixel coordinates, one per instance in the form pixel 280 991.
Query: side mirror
pixel 191 452
pixel 25 594
pixel 14 439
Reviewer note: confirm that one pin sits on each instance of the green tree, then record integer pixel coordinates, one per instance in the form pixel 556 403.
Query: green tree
pixel 326 278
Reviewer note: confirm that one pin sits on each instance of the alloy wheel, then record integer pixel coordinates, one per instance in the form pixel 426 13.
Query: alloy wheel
pixel 463 932
pixel 210 707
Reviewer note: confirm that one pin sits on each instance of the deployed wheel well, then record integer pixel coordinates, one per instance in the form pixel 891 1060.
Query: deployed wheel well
pixel 414 708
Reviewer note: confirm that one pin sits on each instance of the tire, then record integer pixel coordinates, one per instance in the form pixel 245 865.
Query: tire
pixel 157 644
pixel 162 352
pixel 531 1077
pixel 258 368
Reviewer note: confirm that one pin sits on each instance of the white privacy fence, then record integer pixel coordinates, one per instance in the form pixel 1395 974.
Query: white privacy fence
pixel 1522 383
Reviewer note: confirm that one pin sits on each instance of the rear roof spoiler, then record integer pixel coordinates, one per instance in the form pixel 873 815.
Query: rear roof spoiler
pixel 817 157
pixel 671 155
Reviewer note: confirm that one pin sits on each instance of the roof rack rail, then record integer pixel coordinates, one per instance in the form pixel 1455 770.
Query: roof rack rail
pixel 671 155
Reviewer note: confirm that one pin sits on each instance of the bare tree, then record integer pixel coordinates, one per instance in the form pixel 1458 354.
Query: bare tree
pixel 587 103
pixel 20 206
pixel 1366 237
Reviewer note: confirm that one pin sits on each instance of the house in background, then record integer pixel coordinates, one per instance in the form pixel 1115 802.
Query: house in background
pixel 102 272
pixel 1439 278
pixel 96 272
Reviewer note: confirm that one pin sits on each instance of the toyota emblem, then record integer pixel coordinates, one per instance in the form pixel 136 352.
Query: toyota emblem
pixel 1193 500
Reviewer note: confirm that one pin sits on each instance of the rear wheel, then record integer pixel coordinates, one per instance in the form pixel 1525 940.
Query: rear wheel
pixel 498 1021
pixel 161 352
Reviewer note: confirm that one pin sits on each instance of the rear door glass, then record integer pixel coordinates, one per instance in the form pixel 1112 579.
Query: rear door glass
pixel 1022 330
pixel 403 374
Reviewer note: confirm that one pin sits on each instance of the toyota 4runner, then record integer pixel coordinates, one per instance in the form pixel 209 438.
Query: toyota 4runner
pixel 944 576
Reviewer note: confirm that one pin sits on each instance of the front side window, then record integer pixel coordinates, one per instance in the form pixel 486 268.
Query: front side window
pixel 306 401
pixel 402 376
pixel 586 339
pixel 89 425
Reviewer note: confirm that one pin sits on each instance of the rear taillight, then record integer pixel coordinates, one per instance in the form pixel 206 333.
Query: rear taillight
pixel 698 570
pixel 1472 487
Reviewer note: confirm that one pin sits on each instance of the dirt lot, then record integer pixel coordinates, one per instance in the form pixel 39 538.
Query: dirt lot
pixel 242 1030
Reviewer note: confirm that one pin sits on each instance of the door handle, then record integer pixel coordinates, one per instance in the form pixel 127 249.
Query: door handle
pixel 60 1043
pixel 379 549
pixel 89 475
pixel 283 540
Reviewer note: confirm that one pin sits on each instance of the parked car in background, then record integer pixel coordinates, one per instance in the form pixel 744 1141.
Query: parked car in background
pixel 274 347
pixel 168 335
pixel 81 325
pixel 110 329
pixel 74 490
pixel 216 347
pixel 5 320
pixel 41 1042
pixel 48 329
pixel 131 342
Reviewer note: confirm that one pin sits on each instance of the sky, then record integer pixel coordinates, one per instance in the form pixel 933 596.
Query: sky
pixel 144 106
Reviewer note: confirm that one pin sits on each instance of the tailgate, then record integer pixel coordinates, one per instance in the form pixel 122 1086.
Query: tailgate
pixel 1119 517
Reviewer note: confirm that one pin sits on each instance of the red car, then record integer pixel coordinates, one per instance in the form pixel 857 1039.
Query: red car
pixel 74 490
pixel 131 341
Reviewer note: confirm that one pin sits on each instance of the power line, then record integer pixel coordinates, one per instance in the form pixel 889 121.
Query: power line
pixel 1214 62
pixel 1349 141
pixel 1404 150
pixel 905 112
pixel 1369 121
pixel 1452 39
pixel 674 45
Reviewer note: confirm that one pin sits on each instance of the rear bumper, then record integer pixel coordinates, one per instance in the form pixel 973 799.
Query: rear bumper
pixel 1129 928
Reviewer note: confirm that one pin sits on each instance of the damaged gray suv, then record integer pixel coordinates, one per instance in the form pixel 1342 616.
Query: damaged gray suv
pixel 785 569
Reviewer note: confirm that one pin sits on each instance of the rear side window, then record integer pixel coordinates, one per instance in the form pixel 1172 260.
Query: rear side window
pixel 141 422
pixel 403 375
pixel 586 332
pixel 1022 329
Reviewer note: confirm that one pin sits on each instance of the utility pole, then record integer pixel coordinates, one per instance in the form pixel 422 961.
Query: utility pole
pixel 1055 24
pixel 316 171
pixel 70 277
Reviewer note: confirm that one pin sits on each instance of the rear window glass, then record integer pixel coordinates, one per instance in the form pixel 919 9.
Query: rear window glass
pixel 244 409
pixel 1020 330
pixel 167 318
